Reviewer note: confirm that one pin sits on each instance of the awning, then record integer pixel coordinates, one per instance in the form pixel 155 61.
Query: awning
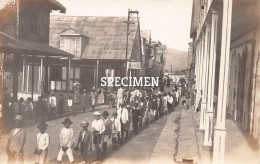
pixel 19 47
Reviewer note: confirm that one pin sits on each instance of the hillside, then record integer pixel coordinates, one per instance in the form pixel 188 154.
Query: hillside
pixel 178 59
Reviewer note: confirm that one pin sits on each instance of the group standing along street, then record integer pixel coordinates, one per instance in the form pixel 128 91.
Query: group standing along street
pixel 134 110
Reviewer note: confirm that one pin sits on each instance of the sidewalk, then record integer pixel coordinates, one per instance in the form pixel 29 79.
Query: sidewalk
pixel 166 145
pixel 240 147
pixel 187 147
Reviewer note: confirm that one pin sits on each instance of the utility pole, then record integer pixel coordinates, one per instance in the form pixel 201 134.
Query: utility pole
pixel 130 12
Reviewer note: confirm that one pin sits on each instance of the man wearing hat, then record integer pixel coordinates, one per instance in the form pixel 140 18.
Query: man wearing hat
pixel 52 105
pixel 115 129
pixel 42 140
pixel 107 134
pixel 98 128
pixel 93 98
pixel 16 141
pixel 84 100
pixel 84 140
pixel 66 141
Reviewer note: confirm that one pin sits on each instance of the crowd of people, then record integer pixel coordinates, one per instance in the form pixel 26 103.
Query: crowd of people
pixel 134 110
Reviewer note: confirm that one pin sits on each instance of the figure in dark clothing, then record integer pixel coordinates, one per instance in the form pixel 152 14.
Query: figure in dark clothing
pixel 61 104
pixel 136 116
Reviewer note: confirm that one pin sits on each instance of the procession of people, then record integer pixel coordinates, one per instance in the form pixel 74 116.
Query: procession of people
pixel 133 110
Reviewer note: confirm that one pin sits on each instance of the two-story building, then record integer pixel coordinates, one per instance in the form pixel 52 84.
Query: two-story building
pixel 24 45
pixel 99 46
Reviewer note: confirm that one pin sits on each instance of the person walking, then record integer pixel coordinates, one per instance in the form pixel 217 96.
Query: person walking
pixel 84 141
pixel 136 117
pixel 120 95
pixel 93 98
pixel 84 100
pixel 52 106
pixel 115 127
pixel 43 141
pixel 123 115
pixel 16 142
pixel 107 134
pixel 98 128
pixel 66 141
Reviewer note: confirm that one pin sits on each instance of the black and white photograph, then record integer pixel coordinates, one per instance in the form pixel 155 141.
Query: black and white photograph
pixel 129 81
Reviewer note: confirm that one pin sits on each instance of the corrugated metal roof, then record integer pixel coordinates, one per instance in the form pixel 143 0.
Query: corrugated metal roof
pixel 107 35
pixel 10 44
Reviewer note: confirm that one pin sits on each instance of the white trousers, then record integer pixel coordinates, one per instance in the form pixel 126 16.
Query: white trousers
pixel 119 101
pixel 68 152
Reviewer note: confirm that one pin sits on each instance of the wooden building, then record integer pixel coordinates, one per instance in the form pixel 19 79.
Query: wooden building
pixel 99 46
pixel 24 45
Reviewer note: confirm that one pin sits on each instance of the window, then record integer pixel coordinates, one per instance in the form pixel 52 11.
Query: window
pixel 71 44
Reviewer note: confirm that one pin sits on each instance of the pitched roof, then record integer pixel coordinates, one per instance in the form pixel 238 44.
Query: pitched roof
pixel 107 35
pixel 12 45
pixel 55 4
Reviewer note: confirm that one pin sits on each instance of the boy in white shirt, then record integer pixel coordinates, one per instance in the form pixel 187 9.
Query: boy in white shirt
pixel 66 141
pixel 98 128
pixel 43 140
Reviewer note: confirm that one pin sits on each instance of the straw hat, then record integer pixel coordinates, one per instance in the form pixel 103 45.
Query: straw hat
pixel 97 114
pixel 105 113
pixel 84 123
pixel 67 120
pixel 18 117
pixel 114 113
pixel 42 125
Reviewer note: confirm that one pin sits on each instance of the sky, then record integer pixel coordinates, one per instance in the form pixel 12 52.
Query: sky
pixel 168 20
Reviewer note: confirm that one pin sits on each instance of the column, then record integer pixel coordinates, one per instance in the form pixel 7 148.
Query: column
pixel 46 75
pixel 33 58
pixel 23 87
pixel 220 130
pixel 202 72
pixel 204 77
pixel 97 74
pixel 197 72
pixel 15 77
pixel 211 81
pixel 68 75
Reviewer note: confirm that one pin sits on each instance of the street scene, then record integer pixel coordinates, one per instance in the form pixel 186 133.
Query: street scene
pixel 129 81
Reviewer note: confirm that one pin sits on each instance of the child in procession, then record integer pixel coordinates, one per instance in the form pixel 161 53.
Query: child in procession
pixel 43 140
pixel 66 141
pixel 108 131
pixel 115 127
pixel 84 141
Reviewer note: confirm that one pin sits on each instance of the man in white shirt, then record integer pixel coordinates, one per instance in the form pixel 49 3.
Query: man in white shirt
pixel 98 128
pixel 53 105
pixel 123 117
pixel 43 141
pixel 120 96
pixel 66 141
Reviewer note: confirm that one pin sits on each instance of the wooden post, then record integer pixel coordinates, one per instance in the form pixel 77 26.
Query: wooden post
pixel 68 75
pixel 211 83
pixel 23 87
pixel 46 76
pixel 203 54
pixel 204 77
pixel 220 129
pixel 15 77
pixel 97 74
pixel 32 77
